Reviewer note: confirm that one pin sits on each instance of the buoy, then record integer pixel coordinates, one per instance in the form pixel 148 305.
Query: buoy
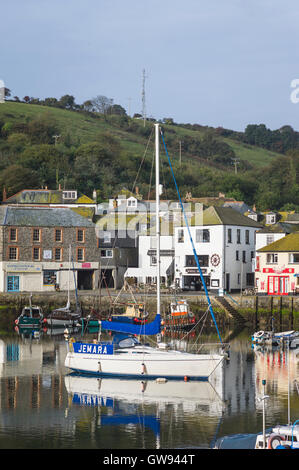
pixel 161 380
pixel 186 378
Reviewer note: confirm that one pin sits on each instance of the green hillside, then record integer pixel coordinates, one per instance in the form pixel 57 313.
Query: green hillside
pixel 108 152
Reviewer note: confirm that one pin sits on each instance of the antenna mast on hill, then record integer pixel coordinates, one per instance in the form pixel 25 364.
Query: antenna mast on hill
pixel 143 97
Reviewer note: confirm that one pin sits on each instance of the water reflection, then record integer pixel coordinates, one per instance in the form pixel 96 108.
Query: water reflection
pixel 43 406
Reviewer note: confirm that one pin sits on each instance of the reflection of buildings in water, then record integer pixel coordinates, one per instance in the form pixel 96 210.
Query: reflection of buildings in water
pixel 279 368
pixel 239 382
pixel 28 371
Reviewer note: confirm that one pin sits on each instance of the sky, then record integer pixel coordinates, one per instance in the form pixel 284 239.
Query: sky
pixel 225 63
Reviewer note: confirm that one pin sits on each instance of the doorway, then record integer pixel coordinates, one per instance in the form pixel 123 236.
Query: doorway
pixel 85 279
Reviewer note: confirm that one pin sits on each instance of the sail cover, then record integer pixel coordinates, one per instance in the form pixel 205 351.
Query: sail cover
pixel 151 328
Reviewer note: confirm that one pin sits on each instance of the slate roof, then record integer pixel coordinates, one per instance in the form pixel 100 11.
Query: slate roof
pixel 42 217
pixel 288 243
pixel 216 215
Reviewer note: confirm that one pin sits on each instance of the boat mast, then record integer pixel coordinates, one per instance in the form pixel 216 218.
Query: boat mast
pixel 69 279
pixel 158 217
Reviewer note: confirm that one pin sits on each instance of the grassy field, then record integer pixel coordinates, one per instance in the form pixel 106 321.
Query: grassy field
pixel 84 128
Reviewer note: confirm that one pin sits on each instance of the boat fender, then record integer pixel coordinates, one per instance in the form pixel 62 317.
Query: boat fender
pixel 143 368
pixel 274 441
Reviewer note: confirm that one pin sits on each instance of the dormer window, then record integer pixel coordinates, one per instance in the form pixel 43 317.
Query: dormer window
pixel 270 219
pixel 69 194
pixel 132 202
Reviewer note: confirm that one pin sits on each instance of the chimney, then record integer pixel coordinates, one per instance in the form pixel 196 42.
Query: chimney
pixel 137 191
pixel 4 196
pixel 59 187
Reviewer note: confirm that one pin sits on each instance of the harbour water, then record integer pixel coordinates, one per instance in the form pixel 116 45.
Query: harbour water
pixel 43 406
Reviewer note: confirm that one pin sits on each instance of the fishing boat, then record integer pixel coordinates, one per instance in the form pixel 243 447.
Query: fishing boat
pixel 180 316
pixel 126 356
pixel 31 316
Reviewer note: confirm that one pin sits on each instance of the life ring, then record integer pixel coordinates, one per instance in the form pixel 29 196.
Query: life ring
pixel 274 441
pixel 259 334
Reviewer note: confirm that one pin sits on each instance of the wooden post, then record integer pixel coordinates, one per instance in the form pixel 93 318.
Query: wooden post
pixel 280 312
pixel 256 310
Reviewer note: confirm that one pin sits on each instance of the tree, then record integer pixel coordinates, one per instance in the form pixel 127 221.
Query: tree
pixel 13 177
pixel 101 104
pixel 67 102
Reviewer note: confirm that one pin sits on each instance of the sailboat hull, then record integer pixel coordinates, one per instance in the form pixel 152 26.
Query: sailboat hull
pixel 147 363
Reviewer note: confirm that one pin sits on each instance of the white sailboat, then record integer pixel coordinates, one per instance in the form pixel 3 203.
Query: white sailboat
pixel 129 358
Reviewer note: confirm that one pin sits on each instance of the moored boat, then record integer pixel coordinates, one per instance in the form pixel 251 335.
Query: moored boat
pixel 126 356
pixel 31 316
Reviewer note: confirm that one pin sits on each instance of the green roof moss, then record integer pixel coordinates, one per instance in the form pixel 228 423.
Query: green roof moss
pixel 287 243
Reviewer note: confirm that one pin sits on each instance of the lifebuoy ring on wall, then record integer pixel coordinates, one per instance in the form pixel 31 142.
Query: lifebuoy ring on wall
pixel 274 441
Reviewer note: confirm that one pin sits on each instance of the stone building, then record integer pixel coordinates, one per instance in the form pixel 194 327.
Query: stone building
pixel 37 245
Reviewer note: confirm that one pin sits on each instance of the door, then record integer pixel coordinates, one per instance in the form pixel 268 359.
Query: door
pixel 278 285
pixel 13 283
pixel 227 282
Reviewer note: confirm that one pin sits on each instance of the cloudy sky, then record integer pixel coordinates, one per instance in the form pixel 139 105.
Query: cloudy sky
pixel 213 62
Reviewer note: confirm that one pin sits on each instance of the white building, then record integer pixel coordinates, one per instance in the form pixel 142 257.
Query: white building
pixel 225 245
pixel 146 273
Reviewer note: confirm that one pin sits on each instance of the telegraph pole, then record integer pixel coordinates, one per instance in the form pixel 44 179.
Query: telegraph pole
pixel 143 97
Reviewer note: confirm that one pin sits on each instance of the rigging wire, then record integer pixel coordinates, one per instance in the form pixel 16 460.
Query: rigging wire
pixel 191 240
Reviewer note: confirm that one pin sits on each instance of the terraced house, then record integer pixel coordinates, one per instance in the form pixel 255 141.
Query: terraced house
pixel 37 245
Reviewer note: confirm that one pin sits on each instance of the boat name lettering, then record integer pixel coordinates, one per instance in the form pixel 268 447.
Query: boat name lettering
pixel 89 348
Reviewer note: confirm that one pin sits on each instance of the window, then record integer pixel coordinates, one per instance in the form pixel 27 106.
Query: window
pixel 180 236
pixel 239 278
pixel 69 194
pixel 13 235
pixel 36 253
pixel 81 235
pixel 202 259
pixel 80 254
pixel 49 278
pixel 153 260
pixel 251 255
pixel 13 253
pixel 238 235
pixel 294 258
pixel 58 235
pixel 269 239
pixel 244 256
pixel 58 254
pixel 203 235
pixel 106 253
pixel 107 237
pixel 36 235
pixel 237 255
pixel 272 258
pixel 229 235
pixel 247 237
pixel 270 219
